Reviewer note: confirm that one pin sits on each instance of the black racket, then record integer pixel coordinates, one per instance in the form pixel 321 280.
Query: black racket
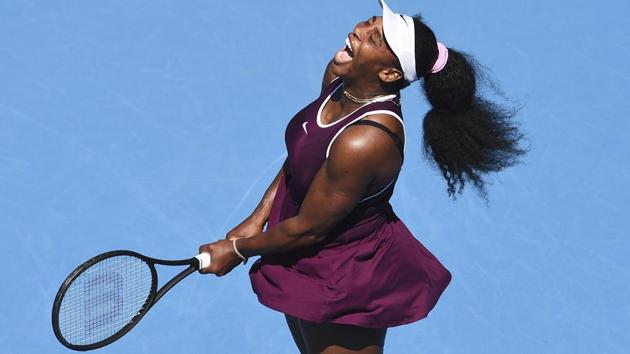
pixel 105 297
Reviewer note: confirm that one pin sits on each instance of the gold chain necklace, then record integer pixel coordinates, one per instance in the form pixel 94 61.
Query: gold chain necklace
pixel 365 100
pixel 360 100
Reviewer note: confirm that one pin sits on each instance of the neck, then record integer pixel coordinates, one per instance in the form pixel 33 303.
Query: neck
pixel 356 94
pixel 364 90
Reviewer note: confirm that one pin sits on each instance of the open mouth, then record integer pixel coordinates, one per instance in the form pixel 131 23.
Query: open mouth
pixel 344 55
pixel 348 47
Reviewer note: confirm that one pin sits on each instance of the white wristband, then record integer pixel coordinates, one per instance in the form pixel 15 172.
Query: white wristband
pixel 237 252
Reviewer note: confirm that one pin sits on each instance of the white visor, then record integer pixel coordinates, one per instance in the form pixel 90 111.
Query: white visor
pixel 400 35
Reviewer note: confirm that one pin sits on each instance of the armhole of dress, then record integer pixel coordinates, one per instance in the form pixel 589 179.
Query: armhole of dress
pixel 359 118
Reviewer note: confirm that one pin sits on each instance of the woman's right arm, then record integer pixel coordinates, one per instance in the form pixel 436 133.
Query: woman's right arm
pixel 255 223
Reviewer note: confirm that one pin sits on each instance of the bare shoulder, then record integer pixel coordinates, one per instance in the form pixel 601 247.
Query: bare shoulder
pixel 364 147
pixel 390 121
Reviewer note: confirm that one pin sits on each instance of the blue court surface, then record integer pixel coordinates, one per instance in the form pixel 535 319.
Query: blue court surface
pixel 156 126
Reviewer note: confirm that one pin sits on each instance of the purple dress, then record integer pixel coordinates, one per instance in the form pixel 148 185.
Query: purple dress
pixel 370 271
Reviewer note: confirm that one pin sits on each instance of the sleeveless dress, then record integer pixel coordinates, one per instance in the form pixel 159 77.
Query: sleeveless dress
pixel 370 271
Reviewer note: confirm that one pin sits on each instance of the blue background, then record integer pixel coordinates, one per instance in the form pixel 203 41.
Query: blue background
pixel 157 125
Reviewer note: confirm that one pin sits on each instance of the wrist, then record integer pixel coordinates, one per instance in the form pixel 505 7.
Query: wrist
pixel 238 253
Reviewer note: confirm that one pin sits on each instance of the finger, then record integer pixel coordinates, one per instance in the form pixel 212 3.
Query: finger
pixel 207 270
pixel 205 248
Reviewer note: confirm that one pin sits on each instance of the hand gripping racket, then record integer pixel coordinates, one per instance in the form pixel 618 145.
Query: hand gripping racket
pixel 105 297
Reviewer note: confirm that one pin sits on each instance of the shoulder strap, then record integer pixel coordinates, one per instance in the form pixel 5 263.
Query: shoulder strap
pixel 395 137
pixel 332 85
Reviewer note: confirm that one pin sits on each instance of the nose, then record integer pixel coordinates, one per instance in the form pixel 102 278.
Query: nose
pixel 360 28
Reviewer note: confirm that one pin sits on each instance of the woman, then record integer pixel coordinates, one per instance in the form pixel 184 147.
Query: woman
pixel 335 259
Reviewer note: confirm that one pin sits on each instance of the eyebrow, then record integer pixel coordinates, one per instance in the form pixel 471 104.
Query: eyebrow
pixel 378 33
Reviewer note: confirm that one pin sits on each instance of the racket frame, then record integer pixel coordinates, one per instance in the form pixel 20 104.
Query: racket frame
pixel 153 297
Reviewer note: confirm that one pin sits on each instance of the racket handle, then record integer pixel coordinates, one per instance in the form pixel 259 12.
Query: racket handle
pixel 204 260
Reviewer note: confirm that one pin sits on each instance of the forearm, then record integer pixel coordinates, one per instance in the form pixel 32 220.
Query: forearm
pixel 261 213
pixel 286 236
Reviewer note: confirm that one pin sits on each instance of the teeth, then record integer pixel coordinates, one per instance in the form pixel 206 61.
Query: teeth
pixel 348 44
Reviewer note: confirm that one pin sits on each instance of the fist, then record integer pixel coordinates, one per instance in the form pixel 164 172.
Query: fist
pixel 223 257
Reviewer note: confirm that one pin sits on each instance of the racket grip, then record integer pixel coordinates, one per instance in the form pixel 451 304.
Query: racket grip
pixel 204 260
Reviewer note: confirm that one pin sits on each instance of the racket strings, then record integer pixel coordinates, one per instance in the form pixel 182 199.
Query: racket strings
pixel 103 299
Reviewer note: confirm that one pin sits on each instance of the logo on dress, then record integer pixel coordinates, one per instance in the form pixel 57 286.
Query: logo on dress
pixel 304 126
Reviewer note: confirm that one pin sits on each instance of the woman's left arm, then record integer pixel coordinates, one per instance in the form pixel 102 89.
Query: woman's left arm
pixel 354 161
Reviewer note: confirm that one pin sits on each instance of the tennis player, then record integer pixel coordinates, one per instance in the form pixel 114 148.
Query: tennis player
pixel 335 258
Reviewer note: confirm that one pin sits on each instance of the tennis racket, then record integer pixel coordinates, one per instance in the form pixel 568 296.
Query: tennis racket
pixel 105 297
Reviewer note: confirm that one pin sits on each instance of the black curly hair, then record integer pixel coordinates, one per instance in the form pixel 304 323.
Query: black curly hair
pixel 465 136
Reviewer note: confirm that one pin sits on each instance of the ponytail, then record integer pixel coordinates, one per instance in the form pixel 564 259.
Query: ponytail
pixel 466 136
